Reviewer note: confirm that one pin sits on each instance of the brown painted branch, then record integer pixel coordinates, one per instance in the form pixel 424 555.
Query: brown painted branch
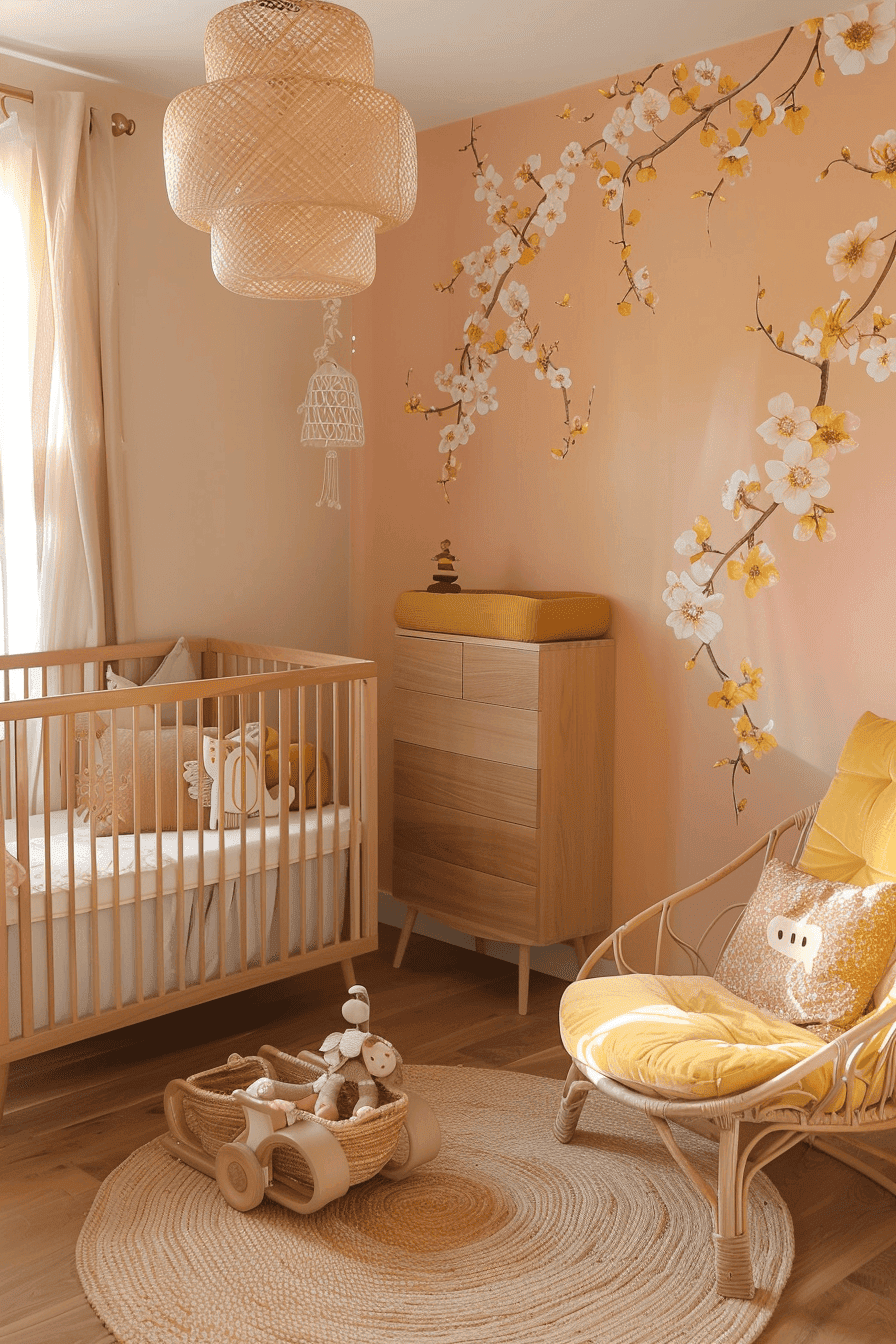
pixel 883 275
pixel 825 377
pixel 788 93
pixel 767 334
pixel 741 542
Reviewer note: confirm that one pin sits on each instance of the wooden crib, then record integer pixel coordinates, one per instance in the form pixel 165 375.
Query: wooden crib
pixel 110 927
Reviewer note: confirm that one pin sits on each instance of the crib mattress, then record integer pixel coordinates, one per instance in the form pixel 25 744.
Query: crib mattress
pixel 321 841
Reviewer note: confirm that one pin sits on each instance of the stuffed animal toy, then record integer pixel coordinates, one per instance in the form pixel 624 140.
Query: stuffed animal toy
pixel 354 1055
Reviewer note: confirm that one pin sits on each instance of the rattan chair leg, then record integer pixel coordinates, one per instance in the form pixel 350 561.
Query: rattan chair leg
pixel 734 1271
pixel 575 1094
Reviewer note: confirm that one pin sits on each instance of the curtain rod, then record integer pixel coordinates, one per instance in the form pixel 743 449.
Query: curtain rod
pixel 121 125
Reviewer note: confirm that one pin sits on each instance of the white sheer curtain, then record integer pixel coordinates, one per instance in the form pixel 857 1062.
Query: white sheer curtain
pixel 61 361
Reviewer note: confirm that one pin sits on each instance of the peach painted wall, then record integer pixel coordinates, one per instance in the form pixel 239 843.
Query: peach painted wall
pixel 225 535
pixel 678 396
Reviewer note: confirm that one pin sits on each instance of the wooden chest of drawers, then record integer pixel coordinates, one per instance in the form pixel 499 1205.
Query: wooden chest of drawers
pixel 504 788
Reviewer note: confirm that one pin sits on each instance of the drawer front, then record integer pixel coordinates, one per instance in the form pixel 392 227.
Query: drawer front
pixel 491 732
pixel 466 840
pixel 467 783
pixel 501 676
pixel 478 903
pixel 433 666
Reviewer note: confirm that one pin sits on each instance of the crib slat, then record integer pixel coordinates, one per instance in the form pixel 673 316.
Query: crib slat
pixel 23 845
pixel 337 860
pixel 160 903
pixel 72 903
pixel 4 954
pixel 301 712
pixel 179 781
pixel 199 898
pixel 283 883
pixel 7 753
pixel 138 854
pixel 46 728
pixel 243 703
pixel 222 885
pixel 319 840
pixel 94 893
pixel 112 786
pixel 263 825
pixel 354 853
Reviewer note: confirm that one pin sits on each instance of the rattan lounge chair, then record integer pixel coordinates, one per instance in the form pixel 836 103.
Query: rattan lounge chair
pixel 754 1127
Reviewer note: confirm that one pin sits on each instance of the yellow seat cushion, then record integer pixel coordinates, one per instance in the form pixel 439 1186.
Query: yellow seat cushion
pixel 854 835
pixel 687 1038
pixel 529 617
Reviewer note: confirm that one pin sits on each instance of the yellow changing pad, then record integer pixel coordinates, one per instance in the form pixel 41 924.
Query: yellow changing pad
pixel 686 1038
pixel 535 618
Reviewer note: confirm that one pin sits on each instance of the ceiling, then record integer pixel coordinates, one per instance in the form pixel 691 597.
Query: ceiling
pixel 445 59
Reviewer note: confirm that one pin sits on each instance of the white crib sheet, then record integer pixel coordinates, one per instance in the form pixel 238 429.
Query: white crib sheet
pixel 127 853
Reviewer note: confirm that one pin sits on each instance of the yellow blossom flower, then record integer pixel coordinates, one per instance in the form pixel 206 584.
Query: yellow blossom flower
pixel 814 525
pixel 756 117
pixel 708 136
pixel 753 679
pixel 579 426
pixel 646 174
pixel 729 697
pixel 811 27
pixel 564 302
pixel 757 569
pixel 753 739
pixel 413 404
pixel 624 308
pixel 795 119
pixel 832 432
pixel 832 325
pixel 633 218
pixel 566 113
pixel 685 102
pixel 882 156
pixel 727 85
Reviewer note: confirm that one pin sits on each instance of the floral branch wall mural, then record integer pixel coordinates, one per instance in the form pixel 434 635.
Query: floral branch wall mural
pixel 736 117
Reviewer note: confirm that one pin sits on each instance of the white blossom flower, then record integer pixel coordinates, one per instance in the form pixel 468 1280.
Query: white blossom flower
pixel 641 279
pixel 854 254
pixel 786 423
pixel 649 109
pixel 613 193
pixel 527 171
pixel 514 298
pixel 880 358
pixel 618 129
pixel 521 342
pixel 476 327
pixel 865 33
pixel 507 251
pixel 550 213
pixel 572 155
pixel 462 388
pixel 451 437
pixel 733 160
pixel 692 612
pixel 558 377
pixel 486 399
pixel 814 525
pixel 738 491
pixel 799 479
pixel 557 184
pixel 882 158
pixel 807 341
pixel 487 184
pixel 706 73
pixel 481 362
pixel 484 284
pixel 444 377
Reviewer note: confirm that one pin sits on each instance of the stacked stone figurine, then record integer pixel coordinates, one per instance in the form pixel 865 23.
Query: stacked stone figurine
pixel 446 579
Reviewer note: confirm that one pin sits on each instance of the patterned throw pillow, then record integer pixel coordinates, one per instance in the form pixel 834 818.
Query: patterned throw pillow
pixel 810 951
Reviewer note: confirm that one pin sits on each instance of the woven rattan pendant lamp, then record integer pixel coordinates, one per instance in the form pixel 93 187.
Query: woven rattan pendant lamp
pixel 288 155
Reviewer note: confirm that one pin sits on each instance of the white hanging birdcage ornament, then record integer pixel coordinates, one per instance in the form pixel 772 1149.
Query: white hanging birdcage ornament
pixel 332 407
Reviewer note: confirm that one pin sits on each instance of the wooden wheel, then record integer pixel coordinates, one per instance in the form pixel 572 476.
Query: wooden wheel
pixel 326 1161
pixel 424 1139
pixel 240 1176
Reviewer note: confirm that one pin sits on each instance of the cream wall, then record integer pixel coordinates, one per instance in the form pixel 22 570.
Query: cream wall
pixel 225 535
pixel 678 396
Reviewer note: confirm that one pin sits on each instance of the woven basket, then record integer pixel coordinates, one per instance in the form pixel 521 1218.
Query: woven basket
pixel 215 1118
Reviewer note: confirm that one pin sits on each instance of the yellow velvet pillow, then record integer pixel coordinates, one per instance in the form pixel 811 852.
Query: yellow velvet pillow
pixel 809 950
pixel 309 773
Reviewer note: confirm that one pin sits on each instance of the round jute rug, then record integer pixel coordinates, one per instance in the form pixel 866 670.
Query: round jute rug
pixel 508 1237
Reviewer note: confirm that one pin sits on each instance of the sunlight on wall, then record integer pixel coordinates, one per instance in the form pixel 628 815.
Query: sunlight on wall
pixel 19 539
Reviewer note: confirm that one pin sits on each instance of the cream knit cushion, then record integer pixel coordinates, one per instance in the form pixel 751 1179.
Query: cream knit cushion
pixel 178 665
pixel 809 950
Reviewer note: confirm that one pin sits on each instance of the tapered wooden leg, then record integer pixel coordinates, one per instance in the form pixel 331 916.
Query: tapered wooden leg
pixel 348 973
pixel 410 919
pixel 525 952
pixel 4 1079
pixel 581 954
pixel 480 946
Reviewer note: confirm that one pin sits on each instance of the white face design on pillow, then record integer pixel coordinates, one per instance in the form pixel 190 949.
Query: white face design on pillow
pixel 795 939
pixel 379 1058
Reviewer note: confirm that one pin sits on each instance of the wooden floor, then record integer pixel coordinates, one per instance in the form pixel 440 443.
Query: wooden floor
pixel 73 1115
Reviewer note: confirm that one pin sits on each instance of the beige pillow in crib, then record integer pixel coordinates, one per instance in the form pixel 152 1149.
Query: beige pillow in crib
pixel 178 665
pixel 99 795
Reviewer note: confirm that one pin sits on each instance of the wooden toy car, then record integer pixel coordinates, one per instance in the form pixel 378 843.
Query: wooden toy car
pixel 218 1128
